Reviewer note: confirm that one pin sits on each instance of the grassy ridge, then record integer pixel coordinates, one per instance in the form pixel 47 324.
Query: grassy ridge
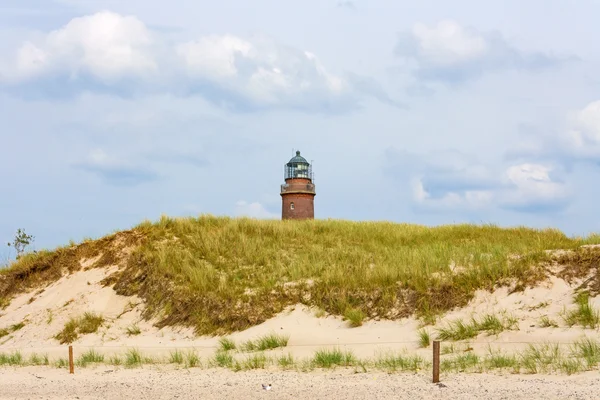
pixel 222 274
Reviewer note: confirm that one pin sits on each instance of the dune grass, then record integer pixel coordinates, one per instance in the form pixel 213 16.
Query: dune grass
pixel 584 314
pixel 87 323
pixel 266 342
pixel 327 358
pixel 489 323
pixel 133 330
pixel 424 338
pixel 226 344
pixel 220 275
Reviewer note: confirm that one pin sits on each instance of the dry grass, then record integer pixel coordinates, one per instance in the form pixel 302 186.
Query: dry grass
pixel 221 275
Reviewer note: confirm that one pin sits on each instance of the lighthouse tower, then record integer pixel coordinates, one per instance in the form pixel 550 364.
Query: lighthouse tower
pixel 298 191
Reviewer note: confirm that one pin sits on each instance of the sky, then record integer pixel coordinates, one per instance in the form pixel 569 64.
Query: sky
pixel 429 112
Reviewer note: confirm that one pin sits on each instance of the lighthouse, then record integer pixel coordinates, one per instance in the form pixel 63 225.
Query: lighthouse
pixel 298 191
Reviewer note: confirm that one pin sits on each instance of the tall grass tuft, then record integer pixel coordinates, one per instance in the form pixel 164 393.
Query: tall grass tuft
pixel 87 323
pixel 90 356
pixel 355 316
pixel 327 358
pixel 226 344
pixel 424 338
pixel 267 342
pixel 585 314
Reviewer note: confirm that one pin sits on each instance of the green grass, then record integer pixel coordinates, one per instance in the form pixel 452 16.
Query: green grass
pixel 395 362
pixel 584 314
pixel 90 357
pixel 11 329
pixel 87 323
pixel 226 344
pixel 133 358
pixel 355 316
pixel 424 338
pixel 192 359
pixel 12 359
pixel 223 359
pixel 220 275
pixel 267 342
pixel 176 357
pixel 328 358
pixel 489 323
pixel 37 359
pixel 286 361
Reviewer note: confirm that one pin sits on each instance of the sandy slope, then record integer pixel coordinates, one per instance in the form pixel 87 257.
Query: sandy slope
pixel 105 383
pixel 46 311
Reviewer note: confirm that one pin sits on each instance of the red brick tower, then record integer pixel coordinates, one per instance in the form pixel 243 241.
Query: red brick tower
pixel 298 191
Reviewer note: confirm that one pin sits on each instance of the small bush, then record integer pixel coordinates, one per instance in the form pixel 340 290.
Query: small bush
pixel 355 316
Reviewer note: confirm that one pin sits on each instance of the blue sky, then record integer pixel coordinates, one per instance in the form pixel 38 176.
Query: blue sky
pixel 429 112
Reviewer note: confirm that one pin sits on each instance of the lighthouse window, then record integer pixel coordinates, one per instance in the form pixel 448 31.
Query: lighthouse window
pixel 291 206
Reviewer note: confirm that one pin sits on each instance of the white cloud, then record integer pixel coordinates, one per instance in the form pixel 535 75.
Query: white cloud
pixel 123 54
pixel 451 52
pixel 451 200
pixel 253 210
pixel 584 135
pixel 448 43
pixel 452 181
pixel 261 70
pixel 531 187
pixel 114 171
pixel 105 45
pixel 577 141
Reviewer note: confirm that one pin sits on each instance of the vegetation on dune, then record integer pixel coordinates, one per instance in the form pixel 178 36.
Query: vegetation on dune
pixel 221 275
pixel 88 323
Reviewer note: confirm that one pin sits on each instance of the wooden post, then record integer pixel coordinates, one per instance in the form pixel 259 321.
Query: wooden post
pixel 436 361
pixel 71 366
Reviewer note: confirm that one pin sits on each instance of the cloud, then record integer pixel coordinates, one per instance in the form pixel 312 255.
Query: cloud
pixel 114 171
pixel 577 142
pixel 531 189
pixel 260 72
pixel 253 210
pixel 105 46
pixel 347 4
pixel 453 53
pixel 109 52
pixel 452 181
